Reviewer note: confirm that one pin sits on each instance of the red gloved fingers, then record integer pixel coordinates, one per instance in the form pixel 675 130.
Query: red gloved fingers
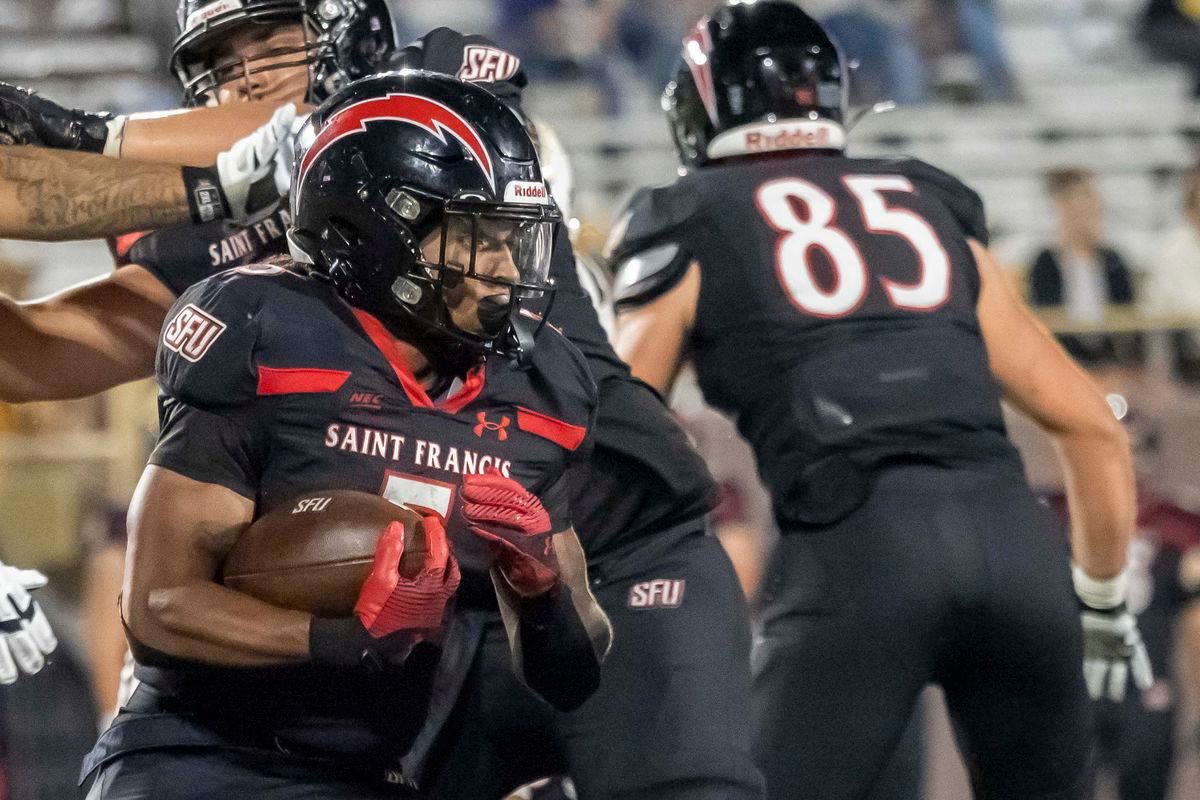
pixel 385 574
pixel 419 604
pixel 518 521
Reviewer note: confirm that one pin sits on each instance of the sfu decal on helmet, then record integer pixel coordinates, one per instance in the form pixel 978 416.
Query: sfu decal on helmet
pixel 697 48
pixel 429 115
pixel 483 64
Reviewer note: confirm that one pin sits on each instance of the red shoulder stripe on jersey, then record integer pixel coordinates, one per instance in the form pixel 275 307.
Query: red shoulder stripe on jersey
pixel 417 395
pixel 299 381
pixel 123 244
pixel 563 434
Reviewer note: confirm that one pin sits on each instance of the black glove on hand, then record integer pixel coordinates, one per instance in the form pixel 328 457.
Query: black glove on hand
pixel 28 118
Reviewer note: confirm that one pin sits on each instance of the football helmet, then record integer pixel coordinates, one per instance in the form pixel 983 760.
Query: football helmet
pixel 344 40
pixel 756 77
pixel 420 197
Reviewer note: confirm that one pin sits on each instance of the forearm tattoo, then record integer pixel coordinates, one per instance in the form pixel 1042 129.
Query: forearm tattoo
pixel 61 195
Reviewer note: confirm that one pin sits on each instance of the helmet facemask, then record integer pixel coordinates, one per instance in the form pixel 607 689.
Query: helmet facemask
pixel 203 77
pixel 342 40
pixel 482 262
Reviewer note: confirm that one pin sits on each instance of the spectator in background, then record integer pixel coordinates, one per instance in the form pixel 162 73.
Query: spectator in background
pixel 1170 31
pixel 878 36
pixel 1172 285
pixel 979 36
pixel 1079 273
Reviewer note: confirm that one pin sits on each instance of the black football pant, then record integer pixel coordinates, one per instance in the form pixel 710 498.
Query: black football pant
pixel 1136 741
pixel 950 576
pixel 212 773
pixel 670 720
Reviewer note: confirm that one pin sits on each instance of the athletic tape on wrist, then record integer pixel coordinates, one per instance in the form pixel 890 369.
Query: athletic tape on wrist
pixel 1100 593
pixel 116 136
pixel 205 199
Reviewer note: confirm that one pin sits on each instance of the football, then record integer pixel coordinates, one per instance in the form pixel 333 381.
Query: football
pixel 314 552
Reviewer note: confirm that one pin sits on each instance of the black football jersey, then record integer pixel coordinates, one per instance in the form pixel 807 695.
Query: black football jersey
pixel 645 476
pixel 272 386
pixel 181 255
pixel 836 312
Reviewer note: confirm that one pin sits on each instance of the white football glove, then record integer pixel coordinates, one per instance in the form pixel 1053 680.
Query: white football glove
pixel 257 170
pixel 25 635
pixel 1113 649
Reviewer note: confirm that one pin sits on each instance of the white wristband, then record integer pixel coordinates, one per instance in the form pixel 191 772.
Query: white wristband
pixel 1097 593
pixel 116 136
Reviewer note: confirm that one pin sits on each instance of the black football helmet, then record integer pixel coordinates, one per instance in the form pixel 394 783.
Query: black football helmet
pixel 345 40
pixel 756 76
pixel 420 197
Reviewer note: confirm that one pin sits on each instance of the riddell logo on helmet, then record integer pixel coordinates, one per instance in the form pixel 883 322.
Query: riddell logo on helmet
pixel 527 192
pixel 760 142
pixel 205 13
pixel 192 332
pixel 482 64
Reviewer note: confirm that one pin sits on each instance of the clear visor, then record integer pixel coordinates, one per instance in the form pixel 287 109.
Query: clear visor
pixel 488 260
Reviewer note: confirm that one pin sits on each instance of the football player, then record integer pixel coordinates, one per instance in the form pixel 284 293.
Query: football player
pixel 847 313
pixel 406 289
pixel 640 507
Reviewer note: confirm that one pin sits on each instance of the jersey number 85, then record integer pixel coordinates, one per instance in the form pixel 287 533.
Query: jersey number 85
pixel 779 201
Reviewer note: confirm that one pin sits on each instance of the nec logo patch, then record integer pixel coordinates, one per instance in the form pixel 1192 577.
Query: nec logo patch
pixel 367 400
pixel 482 64
pixel 658 593
pixel 192 332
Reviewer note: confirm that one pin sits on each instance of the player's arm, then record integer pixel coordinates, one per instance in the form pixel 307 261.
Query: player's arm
pixel 59 195
pixel 84 340
pixel 651 337
pixel 557 631
pixel 180 531
pixel 1040 378
pixel 191 136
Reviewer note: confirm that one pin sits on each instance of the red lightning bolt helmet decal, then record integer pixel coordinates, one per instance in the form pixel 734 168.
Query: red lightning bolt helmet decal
pixel 697 48
pixel 429 115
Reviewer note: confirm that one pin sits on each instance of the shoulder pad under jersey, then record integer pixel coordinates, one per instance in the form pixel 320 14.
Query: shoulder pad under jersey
pixel 560 383
pixel 964 202
pixel 648 251
pixel 207 346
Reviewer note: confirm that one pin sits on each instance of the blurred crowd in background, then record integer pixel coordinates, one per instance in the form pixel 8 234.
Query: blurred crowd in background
pixel 1076 120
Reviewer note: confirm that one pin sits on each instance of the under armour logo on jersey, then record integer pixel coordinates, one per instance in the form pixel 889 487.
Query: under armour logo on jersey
pixel 499 428
pixel 192 332
pixel 483 64
pixel 658 593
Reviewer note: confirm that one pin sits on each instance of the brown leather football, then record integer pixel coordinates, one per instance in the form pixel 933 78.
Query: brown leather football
pixel 314 553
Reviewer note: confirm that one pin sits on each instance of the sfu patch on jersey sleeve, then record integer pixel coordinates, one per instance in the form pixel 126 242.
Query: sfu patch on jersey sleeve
pixel 192 332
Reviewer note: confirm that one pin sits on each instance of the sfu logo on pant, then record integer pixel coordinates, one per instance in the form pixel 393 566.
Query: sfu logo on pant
pixel 658 593
pixel 192 332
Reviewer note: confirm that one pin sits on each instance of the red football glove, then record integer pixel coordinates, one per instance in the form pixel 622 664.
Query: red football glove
pixel 516 527
pixel 389 603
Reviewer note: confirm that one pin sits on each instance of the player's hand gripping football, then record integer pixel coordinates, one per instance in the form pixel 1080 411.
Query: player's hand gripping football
pixel 516 527
pixel 27 118
pixel 25 635
pixel 389 603
pixel 393 613
pixel 1113 649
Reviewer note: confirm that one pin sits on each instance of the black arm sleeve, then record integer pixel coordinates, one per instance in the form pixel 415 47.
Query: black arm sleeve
pixel 554 654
